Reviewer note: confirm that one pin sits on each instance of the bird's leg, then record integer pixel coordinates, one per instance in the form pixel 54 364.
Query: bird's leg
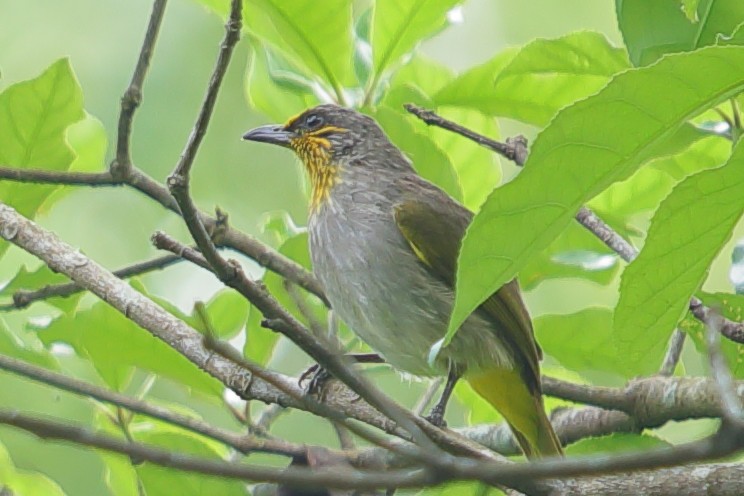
pixel 436 416
pixel 318 375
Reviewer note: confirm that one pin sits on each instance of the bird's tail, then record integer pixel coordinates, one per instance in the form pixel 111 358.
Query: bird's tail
pixel 523 410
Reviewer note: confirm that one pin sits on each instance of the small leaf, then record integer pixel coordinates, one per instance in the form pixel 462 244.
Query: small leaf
pixel 427 158
pixel 399 25
pixel 652 29
pixel 540 79
pixel 687 232
pixel 228 313
pixel 587 147
pixel 25 346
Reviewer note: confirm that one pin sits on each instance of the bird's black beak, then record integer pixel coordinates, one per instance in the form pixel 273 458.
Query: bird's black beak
pixel 276 135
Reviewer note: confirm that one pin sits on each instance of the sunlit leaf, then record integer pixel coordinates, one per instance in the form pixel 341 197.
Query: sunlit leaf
pixel 532 84
pixel 399 25
pixel 315 35
pixel 652 29
pixel 580 154
pixel 20 482
pixel 687 232
pixel 34 116
pixel 271 89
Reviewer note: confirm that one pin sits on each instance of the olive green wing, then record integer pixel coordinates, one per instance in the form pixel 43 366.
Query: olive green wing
pixel 434 226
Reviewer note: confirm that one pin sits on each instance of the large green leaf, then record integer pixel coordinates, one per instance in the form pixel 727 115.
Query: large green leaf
pixel 687 232
pixel 654 28
pixel 427 158
pixel 582 342
pixel 34 116
pixel 315 35
pixel 544 76
pixel 115 345
pixel 587 147
pixel 399 25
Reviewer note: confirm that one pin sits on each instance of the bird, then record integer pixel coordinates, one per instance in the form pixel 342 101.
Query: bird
pixel 384 244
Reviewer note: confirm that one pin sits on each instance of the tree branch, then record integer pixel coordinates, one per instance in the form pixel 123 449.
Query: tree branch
pixel 242 443
pixel 293 476
pixel 23 298
pixel 122 164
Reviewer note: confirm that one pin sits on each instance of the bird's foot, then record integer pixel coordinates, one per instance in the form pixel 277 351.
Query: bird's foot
pixel 436 417
pixel 316 377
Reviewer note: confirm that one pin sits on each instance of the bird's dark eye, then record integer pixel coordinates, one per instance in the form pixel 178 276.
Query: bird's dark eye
pixel 313 121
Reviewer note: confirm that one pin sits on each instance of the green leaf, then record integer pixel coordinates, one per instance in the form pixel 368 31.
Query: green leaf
pixel 115 345
pixel 25 346
pixel 648 186
pixel 587 147
pixel 399 25
pixel 228 313
pixel 652 29
pixel 317 37
pixel 534 83
pixel 19 482
pixel 687 232
pixel 731 307
pixel 427 158
pixel 34 116
pixel 736 38
pixel 161 480
pixel 575 253
pixel 689 7
pixel 615 443
pixel 582 342
pixel 275 88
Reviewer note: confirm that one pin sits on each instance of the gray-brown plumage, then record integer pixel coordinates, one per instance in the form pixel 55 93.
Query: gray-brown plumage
pixel 384 244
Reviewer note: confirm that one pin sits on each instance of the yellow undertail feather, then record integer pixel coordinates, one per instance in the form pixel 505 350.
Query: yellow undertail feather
pixel 506 391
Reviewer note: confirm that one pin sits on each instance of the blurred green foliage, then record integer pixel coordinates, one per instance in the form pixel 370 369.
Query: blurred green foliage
pixel 620 120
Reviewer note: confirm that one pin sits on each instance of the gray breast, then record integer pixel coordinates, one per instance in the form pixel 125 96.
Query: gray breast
pixel 377 285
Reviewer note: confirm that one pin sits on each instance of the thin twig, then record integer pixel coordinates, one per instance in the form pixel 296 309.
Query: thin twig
pixel 65 178
pixel 673 353
pixel 23 298
pixel 423 403
pixel 295 476
pixel 242 443
pixel 515 149
pixel 132 98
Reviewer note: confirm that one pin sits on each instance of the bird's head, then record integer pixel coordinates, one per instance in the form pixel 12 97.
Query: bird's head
pixel 328 138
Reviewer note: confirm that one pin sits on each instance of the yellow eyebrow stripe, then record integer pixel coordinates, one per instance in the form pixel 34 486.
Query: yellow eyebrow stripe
pixel 292 120
pixel 325 130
